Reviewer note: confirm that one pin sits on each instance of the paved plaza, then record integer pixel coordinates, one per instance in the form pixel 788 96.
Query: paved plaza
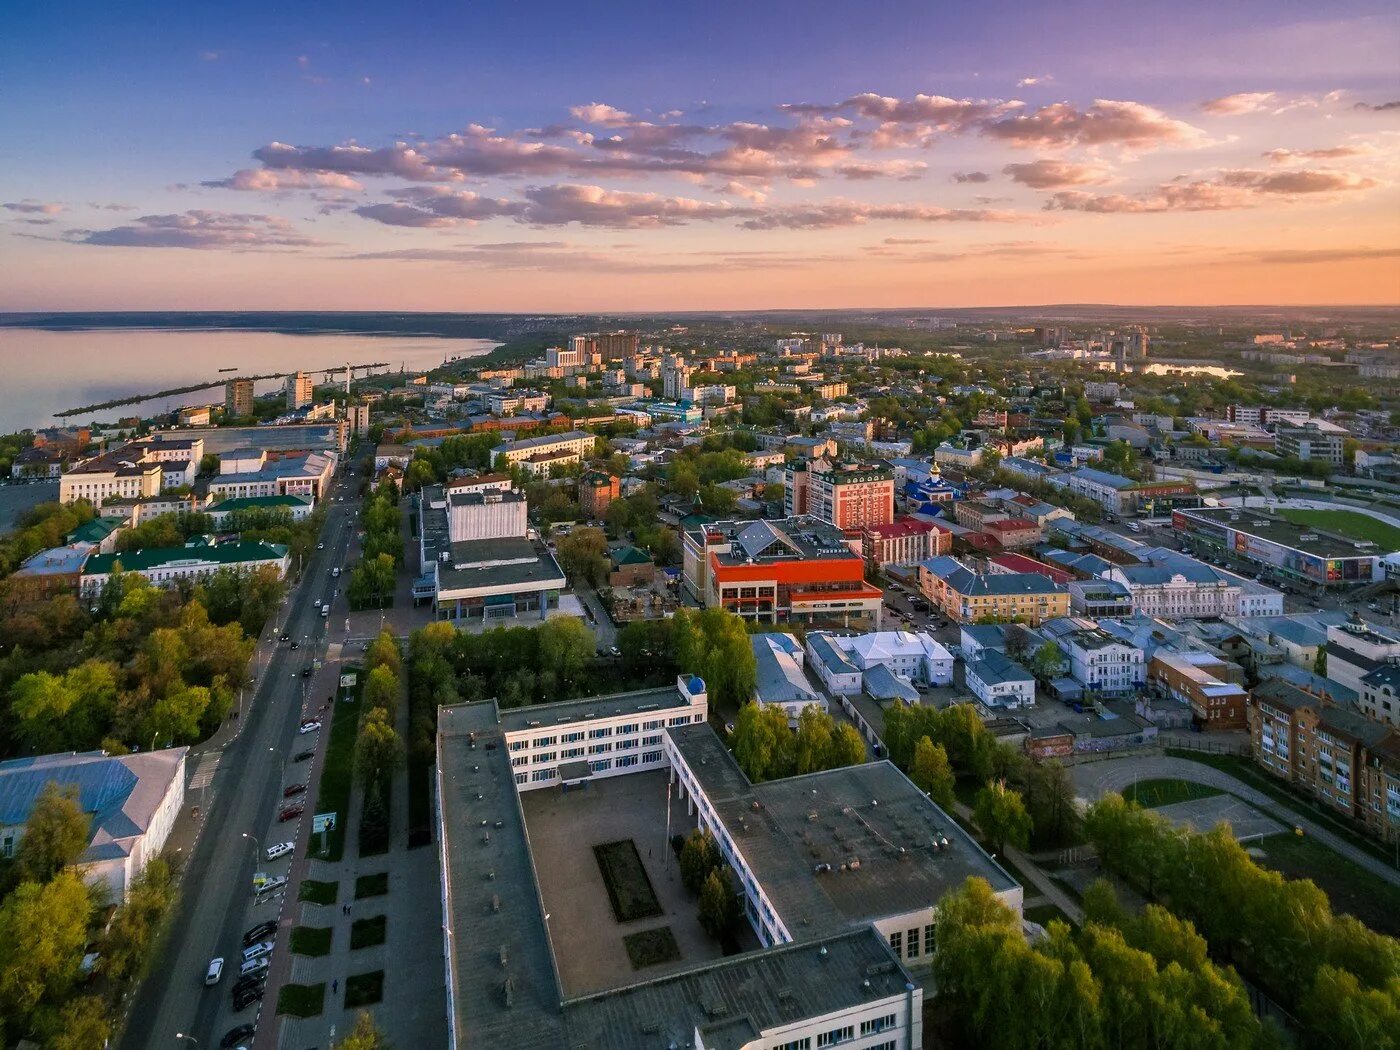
pixel 1202 814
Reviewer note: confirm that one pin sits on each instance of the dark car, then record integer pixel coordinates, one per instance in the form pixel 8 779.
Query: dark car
pixel 293 789
pixel 253 982
pixel 291 812
pixel 295 645
pixel 306 672
pixel 286 637
pixel 302 756
pixel 242 999
pixel 260 932
pixel 234 1036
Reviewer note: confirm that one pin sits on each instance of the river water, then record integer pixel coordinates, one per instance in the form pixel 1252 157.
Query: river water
pixel 43 372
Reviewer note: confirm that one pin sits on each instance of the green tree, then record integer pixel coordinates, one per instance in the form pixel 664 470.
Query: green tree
pixel 55 835
pixel 566 648
pixel 719 907
pixel 699 856
pixel 1320 662
pixel 583 555
pixel 378 749
pixel 1046 661
pixel 1002 817
pixel 365 1035
pixel 847 747
pixel 931 772
pixel 760 741
pixel 1050 800
pixel 384 652
pixel 381 692
pixel 81 1023
pixel 814 739
pixel 43 929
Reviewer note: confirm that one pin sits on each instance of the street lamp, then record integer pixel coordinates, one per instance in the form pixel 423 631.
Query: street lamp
pixel 188 1038
pixel 257 846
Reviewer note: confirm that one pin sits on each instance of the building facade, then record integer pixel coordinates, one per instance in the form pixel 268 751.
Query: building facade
pixel 238 398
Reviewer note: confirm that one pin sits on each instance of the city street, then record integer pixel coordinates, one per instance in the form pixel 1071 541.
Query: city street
pixel 240 791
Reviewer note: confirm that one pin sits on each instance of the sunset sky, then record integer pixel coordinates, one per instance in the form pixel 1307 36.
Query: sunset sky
pixel 562 157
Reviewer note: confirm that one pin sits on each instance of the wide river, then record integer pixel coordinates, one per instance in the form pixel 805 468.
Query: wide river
pixel 43 372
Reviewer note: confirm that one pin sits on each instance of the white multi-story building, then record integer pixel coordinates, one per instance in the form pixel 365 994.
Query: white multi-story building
pixel 139 469
pixel 485 515
pixel 514 402
pixel 1356 648
pixel 197 560
pixel 1103 663
pixel 1189 590
pixel 998 681
pixel 914 655
pixel 575 444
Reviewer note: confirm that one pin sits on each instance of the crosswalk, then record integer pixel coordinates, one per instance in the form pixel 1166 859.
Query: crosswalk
pixel 205 769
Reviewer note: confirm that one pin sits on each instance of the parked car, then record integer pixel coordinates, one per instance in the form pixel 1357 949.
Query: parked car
pixel 261 932
pixel 253 980
pixel 278 850
pixel 309 726
pixel 253 966
pixel 295 645
pixel 292 790
pixel 320 546
pixel 214 972
pixel 291 812
pixel 307 672
pixel 247 996
pixel 257 951
pixel 302 756
pixel 234 1036
pixel 265 886
pixel 285 637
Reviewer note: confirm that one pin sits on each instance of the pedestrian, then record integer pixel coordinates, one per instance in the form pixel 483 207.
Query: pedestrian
pixel 335 986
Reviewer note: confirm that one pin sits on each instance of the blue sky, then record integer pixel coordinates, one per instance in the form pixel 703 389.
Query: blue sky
pixel 115 117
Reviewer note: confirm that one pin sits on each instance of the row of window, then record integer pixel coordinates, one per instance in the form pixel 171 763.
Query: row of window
pixel 906 944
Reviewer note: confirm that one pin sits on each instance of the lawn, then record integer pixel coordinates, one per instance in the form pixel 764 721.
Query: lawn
pixel 338 773
pixel 1352 889
pixel 375 885
pixel 319 892
pixel 1348 523
pixel 311 940
pixel 629 889
pixel 362 989
pixel 366 933
pixel 301 1000
pixel 652 947
pixel 1154 793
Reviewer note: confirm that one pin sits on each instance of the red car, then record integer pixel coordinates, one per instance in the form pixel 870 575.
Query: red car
pixel 293 789
pixel 291 812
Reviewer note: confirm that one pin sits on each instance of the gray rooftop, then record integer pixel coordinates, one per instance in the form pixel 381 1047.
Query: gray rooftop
pixel 501 562
pixel 543 716
pixel 868 812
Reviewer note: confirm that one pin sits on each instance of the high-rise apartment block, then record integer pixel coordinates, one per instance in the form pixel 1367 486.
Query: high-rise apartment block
pixel 238 398
pixel 300 390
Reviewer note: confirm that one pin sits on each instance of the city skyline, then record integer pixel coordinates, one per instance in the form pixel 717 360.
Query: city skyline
pixel 720 159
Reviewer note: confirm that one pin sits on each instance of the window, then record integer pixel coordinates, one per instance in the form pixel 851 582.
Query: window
pixel 520 778
pixel 571 752
pixel 521 761
pixel 569 738
pixel 805 1043
pixel 623 745
pixel 911 939
pixel 679 720
pixel 547 756
pixel 630 727
pixel 877 1024
pixel 598 734
pixel 599 749
pixel 928 939
pixel 519 745
pixel 545 741
pixel 897 944
pixel 602 765
pixel 651 741
pixel 656 724
pixel 627 760
pixel 542 774
pixel 651 756
pixel 836 1035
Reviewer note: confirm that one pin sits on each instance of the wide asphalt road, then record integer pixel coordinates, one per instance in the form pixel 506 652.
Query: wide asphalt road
pixel 217 885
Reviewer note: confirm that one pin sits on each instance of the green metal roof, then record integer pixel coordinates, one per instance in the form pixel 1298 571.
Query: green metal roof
pixel 630 556
pixel 157 557
pixel 94 531
pixel 258 503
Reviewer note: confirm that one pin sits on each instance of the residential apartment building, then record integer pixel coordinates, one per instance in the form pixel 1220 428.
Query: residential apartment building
pixel 597 489
pixel 238 398
pixel 358 418
pixel 514 402
pixel 1013 534
pixel 1379 697
pixel 1348 762
pixel 1356 648
pixel 968 597
pixel 1200 680
pixel 540 454
pixel 795 570
pixel 301 390
pixel 844 495
pixel 1310 443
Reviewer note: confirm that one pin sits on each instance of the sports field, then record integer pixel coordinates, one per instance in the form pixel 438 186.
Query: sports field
pixel 1348 523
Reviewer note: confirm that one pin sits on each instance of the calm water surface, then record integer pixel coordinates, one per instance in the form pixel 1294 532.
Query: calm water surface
pixel 43 372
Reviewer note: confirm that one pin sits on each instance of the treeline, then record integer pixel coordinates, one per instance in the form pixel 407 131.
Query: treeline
pixel 767 749
pixel 40 528
pixel 1019 802
pixel 50 918
pixel 379 750
pixel 143 665
pixel 637 514
pixel 1119 981
pixel 1340 978
pixel 373 579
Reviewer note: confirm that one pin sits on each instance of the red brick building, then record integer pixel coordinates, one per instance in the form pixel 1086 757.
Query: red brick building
pixel 596 490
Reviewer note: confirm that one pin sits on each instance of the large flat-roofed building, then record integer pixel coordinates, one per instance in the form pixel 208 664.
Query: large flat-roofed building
pixel 329 436
pixel 1126 497
pixel 967 596
pixel 794 570
pixel 1294 553
pixel 308 474
pixel 1310 443
pixel 1356 648
pixel 132 801
pixel 480 559
pixel 553 449
pixel 1199 679
pixel 196 560
pixel 838 935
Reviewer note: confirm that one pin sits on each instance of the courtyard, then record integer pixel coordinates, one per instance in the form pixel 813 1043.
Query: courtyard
pixel 588 940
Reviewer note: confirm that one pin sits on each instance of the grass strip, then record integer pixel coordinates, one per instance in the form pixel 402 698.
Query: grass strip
pixel 314 892
pixel 366 933
pixel 311 940
pixel 375 885
pixel 301 1000
pixel 338 772
pixel 363 989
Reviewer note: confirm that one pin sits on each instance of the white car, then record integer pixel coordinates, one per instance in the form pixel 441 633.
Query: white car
pixel 257 951
pixel 253 966
pixel 309 727
pixel 215 971
pixel 278 850
pixel 320 546
pixel 267 886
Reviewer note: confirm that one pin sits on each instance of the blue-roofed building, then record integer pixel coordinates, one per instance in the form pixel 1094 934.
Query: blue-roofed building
pixel 133 801
pixel 999 681
pixel 970 597
pixel 1027 468
pixel 833 665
